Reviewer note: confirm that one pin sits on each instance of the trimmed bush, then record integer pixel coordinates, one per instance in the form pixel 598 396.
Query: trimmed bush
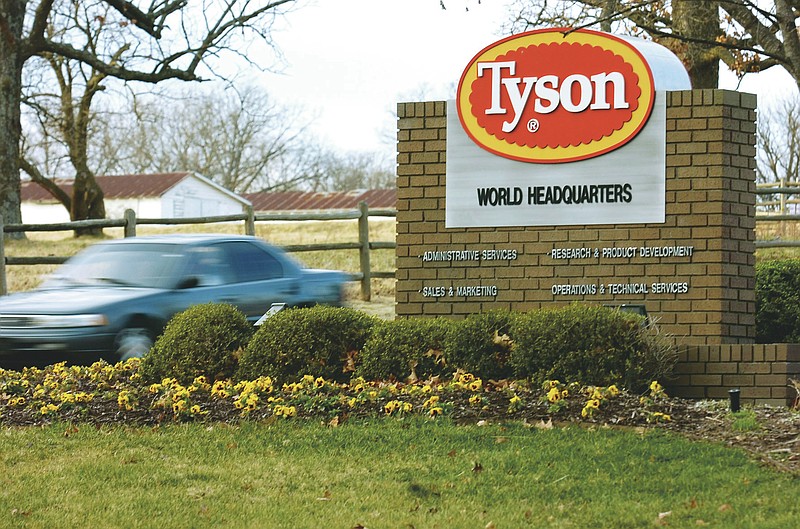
pixel 481 345
pixel 202 340
pixel 319 341
pixel 778 301
pixel 403 349
pixel 585 344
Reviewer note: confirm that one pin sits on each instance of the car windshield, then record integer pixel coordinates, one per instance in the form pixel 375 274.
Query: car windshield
pixel 134 265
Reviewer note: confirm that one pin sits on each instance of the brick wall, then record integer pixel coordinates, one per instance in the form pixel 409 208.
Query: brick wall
pixel 710 184
pixel 761 372
pixel 710 206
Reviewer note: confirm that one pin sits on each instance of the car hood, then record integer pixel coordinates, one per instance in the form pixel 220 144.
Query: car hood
pixel 69 300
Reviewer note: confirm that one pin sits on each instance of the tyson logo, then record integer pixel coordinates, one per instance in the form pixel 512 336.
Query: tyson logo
pixel 552 96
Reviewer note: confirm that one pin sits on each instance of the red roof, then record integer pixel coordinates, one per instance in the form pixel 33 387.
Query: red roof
pixel 155 185
pixel 304 200
pixel 116 186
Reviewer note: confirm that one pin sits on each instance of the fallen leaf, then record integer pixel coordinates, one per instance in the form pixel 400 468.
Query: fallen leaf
pixel 725 507
pixel 326 496
pixel 71 430
pixel 349 361
pixel 663 515
pixel 701 522
pixel 500 440
pixel 333 423
pixel 451 453
pixel 545 425
pixel 490 525
pixel 503 340
pixel 693 503
pixel 477 467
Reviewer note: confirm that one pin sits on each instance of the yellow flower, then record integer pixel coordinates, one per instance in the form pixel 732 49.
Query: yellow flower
pixel 476 385
pixel 179 407
pixel 435 411
pixel 124 400
pixel 466 378
pixel 554 395
pixel 195 410
pixel 391 406
pixel 476 400
pixel 613 390
pixel 284 411
pixel 154 388
pixel 319 382
pixel 48 408
pixel 220 389
pixel 655 387
pixel 431 402
pixel 550 384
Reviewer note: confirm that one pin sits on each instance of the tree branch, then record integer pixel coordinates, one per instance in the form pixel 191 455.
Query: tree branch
pixel 50 186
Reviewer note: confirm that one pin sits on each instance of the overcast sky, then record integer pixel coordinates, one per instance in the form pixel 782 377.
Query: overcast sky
pixel 348 62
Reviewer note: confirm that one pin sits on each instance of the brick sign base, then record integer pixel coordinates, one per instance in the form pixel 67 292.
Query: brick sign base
pixel 694 273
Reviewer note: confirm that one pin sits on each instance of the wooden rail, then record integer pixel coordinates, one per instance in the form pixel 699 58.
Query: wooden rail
pixel 777 210
pixel 129 223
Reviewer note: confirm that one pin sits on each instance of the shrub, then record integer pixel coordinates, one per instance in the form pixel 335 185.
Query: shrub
pixel 319 341
pixel 403 349
pixel 778 301
pixel 586 344
pixel 481 345
pixel 202 340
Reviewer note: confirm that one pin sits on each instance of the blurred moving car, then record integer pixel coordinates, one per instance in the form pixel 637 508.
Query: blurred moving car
pixel 114 298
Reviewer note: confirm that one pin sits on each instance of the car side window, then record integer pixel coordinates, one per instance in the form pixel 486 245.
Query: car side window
pixel 251 263
pixel 209 266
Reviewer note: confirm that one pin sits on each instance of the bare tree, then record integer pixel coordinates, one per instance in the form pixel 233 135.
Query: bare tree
pixel 349 171
pixel 238 138
pixel 150 41
pixel 778 158
pixel 746 35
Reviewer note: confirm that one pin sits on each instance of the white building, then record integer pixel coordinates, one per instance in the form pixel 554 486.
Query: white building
pixel 150 196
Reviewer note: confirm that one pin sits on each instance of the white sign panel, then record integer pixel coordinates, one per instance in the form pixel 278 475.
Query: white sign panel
pixel 623 186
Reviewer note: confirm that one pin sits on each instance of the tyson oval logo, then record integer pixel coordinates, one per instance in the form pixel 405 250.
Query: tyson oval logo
pixel 555 95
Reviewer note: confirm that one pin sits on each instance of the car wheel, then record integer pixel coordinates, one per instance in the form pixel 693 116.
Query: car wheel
pixel 133 343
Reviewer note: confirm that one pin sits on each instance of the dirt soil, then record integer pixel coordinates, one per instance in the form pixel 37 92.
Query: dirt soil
pixel 773 438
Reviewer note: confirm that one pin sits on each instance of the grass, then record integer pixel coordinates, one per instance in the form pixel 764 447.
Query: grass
pixel 381 473
pixel 745 421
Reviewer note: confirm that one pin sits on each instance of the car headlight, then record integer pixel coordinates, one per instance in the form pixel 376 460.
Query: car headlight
pixel 52 321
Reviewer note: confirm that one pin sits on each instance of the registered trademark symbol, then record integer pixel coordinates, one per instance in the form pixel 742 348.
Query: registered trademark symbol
pixel 533 125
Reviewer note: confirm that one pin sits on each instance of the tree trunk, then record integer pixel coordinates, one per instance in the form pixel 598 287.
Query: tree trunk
pixel 12 13
pixel 87 203
pixel 698 19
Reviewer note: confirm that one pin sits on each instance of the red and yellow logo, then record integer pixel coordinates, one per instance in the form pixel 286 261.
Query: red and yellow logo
pixel 554 95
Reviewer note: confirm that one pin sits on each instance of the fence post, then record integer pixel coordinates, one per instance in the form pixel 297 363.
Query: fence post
pixel 130 223
pixel 3 285
pixel 363 239
pixel 783 197
pixel 250 221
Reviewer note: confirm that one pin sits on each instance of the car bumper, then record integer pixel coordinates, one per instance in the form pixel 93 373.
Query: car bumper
pixel 40 348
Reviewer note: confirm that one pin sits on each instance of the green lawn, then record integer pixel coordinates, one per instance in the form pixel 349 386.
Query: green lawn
pixel 381 474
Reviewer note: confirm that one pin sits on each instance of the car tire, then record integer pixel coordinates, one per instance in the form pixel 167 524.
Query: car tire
pixel 133 343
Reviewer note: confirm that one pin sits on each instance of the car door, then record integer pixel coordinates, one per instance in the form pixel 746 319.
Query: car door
pixel 255 278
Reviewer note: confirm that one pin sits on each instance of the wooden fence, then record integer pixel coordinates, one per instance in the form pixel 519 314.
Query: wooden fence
pixel 770 208
pixel 129 223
